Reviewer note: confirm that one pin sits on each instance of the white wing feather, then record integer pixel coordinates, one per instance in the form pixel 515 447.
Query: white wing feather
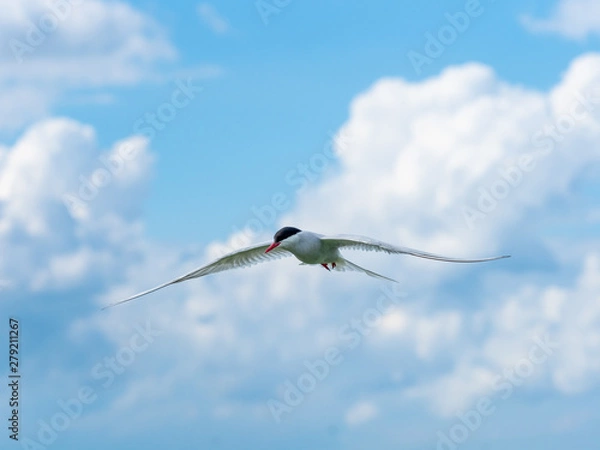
pixel 245 257
pixel 345 265
pixel 368 244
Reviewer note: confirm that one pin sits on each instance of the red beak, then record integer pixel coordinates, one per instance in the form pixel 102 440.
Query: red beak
pixel 272 246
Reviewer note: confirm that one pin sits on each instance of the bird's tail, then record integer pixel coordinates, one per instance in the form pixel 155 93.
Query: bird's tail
pixel 343 265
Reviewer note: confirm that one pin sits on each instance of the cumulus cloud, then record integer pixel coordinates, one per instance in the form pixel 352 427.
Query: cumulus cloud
pixel 565 319
pixel 56 48
pixel 437 165
pixel 573 19
pixel 78 42
pixel 415 155
pixel 429 152
pixel 69 200
pixel 471 128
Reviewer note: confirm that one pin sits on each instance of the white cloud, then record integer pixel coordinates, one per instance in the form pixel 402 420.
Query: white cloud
pixel 416 154
pixel 573 19
pixel 90 33
pixel 361 413
pixel 23 103
pixel 428 334
pixel 426 151
pixel 65 270
pixel 89 46
pixel 423 150
pixel 455 391
pixel 576 315
pixel 212 19
pixel 568 317
pixel 54 158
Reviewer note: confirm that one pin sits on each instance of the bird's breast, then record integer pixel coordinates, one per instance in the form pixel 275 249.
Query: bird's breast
pixel 309 249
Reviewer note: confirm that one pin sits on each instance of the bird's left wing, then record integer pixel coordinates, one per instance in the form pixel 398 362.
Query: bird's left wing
pixel 368 244
pixel 240 258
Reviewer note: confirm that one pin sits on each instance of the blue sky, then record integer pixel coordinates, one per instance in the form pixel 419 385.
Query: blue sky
pixel 219 124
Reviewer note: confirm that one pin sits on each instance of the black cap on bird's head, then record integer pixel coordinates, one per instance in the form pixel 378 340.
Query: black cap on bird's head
pixel 285 233
pixel 282 234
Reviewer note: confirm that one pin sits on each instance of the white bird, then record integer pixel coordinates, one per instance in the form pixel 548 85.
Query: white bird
pixel 309 248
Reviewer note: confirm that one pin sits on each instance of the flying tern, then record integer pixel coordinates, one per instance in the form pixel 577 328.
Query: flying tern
pixel 310 248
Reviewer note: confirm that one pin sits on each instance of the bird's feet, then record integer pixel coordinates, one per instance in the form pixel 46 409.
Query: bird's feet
pixel 332 266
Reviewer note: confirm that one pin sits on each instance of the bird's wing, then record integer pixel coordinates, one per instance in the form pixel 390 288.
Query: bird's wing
pixel 240 258
pixel 345 265
pixel 368 244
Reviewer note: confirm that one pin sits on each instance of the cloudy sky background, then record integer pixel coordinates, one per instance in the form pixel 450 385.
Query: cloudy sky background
pixel 140 140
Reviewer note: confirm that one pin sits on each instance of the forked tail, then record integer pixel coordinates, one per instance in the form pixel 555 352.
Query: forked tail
pixel 343 265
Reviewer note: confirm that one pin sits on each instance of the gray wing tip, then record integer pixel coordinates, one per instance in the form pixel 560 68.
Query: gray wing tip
pixel 493 258
pixel 119 302
pixel 141 294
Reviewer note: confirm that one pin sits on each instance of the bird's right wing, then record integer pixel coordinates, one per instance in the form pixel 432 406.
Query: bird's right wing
pixel 345 265
pixel 240 258
pixel 368 244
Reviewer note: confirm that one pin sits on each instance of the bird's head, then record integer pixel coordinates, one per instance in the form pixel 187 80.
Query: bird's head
pixel 281 236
